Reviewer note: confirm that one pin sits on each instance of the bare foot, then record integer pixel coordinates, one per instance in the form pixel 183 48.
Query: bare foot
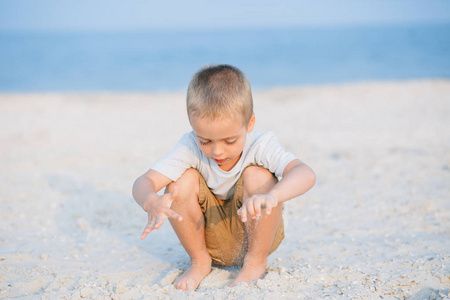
pixel 192 277
pixel 250 272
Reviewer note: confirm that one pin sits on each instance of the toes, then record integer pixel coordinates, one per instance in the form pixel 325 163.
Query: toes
pixel 180 284
pixel 191 285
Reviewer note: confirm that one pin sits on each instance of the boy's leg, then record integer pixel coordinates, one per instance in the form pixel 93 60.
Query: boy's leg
pixel 190 231
pixel 260 232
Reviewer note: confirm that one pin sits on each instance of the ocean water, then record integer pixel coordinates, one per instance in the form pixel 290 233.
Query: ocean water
pixel 162 61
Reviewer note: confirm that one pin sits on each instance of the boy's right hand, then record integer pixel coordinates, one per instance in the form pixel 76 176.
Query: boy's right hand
pixel 158 210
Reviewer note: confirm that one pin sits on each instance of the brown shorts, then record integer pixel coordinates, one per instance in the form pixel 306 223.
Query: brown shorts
pixel 225 235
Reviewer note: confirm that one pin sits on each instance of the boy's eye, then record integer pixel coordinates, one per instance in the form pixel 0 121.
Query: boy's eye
pixel 203 142
pixel 230 142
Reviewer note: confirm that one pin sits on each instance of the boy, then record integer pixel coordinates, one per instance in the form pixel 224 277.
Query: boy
pixel 222 197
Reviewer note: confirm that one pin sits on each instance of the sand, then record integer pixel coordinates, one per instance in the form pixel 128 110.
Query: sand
pixel 375 226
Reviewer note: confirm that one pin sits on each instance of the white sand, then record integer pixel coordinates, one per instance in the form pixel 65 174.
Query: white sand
pixel 376 225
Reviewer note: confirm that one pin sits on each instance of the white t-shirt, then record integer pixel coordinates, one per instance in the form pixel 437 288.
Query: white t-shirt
pixel 260 149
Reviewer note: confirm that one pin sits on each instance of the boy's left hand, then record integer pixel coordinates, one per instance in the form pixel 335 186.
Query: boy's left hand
pixel 254 205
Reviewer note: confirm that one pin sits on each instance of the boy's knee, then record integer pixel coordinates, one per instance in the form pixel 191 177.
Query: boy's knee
pixel 188 182
pixel 257 173
pixel 257 180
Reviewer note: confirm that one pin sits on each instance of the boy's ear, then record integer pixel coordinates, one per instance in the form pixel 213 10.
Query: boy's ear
pixel 251 124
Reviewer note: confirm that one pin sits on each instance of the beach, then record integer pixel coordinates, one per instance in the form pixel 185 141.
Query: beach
pixel 375 226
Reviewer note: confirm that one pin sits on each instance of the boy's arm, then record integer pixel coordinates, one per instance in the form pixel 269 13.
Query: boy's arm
pixel 157 207
pixel 297 179
pixel 147 184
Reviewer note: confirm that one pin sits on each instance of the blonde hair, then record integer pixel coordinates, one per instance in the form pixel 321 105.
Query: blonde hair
pixel 220 91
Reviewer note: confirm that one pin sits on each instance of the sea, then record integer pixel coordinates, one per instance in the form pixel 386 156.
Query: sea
pixel 148 61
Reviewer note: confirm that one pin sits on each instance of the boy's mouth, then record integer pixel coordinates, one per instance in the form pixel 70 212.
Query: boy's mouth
pixel 220 161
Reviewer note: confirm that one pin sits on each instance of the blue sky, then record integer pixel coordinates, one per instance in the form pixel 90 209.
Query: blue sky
pixel 99 15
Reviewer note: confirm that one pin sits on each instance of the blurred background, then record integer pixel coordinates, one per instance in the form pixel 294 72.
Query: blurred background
pixel 146 45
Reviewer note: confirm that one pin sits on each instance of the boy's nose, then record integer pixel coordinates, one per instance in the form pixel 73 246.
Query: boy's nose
pixel 216 150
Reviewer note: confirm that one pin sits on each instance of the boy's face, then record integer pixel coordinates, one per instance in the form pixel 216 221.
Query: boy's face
pixel 222 140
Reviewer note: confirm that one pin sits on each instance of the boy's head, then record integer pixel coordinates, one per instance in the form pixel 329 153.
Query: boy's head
pixel 220 92
pixel 220 110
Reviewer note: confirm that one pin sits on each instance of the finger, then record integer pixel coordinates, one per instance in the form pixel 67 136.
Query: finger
pixel 174 193
pixel 159 222
pixel 147 230
pixel 144 235
pixel 171 196
pixel 268 207
pixel 243 213
pixel 257 207
pixel 173 215
pixel 250 209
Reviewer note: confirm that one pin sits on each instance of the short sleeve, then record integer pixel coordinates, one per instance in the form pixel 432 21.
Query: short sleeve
pixel 272 155
pixel 182 157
